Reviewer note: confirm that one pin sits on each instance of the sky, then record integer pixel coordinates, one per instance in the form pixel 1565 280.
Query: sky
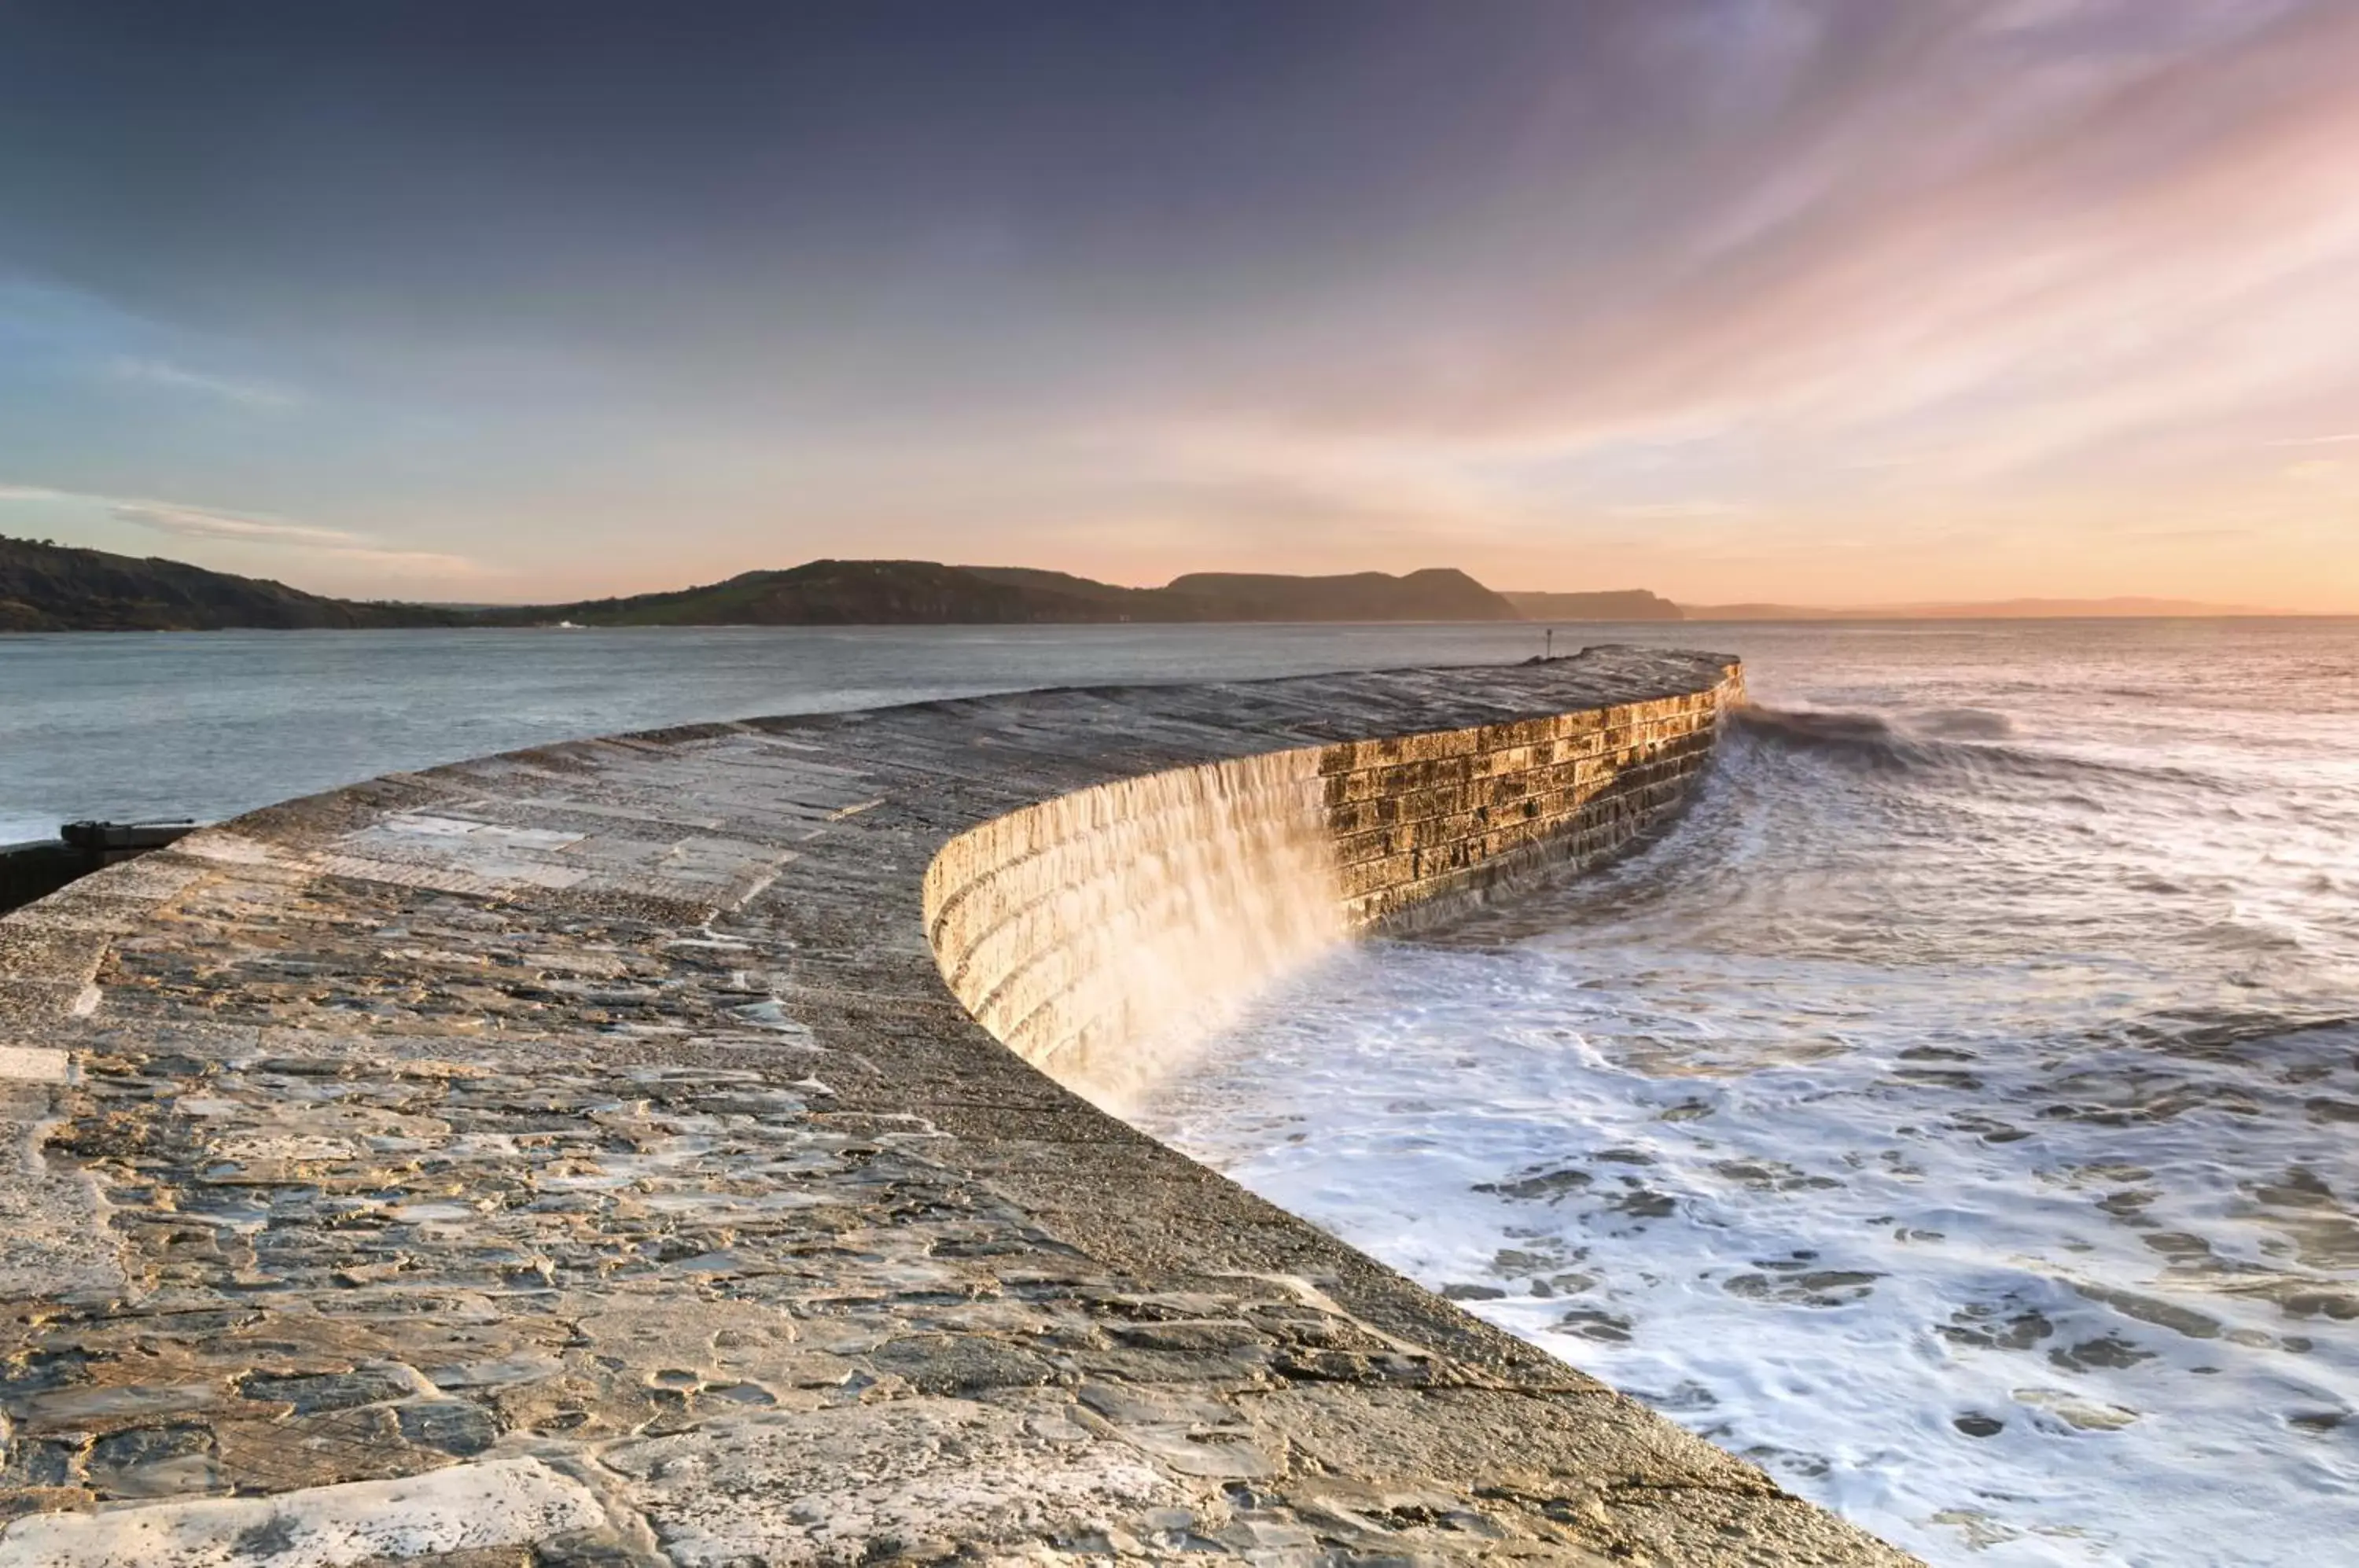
pixel 1830 301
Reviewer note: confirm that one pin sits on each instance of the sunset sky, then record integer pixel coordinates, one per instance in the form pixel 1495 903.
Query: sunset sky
pixel 1731 299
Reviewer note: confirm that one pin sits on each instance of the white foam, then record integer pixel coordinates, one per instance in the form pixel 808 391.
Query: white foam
pixel 1780 1259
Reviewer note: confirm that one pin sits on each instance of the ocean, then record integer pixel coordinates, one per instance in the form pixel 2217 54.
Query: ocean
pixel 1958 1112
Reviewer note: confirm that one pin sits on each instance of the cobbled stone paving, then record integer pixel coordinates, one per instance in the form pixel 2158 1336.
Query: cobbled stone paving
pixel 575 1158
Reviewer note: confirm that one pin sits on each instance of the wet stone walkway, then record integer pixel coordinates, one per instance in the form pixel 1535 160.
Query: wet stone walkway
pixel 575 1158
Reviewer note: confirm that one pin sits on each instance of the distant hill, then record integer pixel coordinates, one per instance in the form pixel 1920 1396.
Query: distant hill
pixel 1988 610
pixel 826 592
pixel 898 593
pixel 60 588
pixel 1065 582
pixel 1437 594
pixel 1619 604
pixel 46 587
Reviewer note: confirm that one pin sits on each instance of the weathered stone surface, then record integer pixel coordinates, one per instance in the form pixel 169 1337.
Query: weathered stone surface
pixel 579 1156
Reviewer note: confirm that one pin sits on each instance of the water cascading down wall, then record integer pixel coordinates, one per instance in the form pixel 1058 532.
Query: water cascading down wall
pixel 1097 932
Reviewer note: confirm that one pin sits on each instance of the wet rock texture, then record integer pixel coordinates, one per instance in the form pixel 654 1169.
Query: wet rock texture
pixel 577 1157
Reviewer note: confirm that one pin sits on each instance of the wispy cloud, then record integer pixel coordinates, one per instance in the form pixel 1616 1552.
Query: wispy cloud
pixel 190 522
pixel 1965 280
pixel 2346 438
pixel 184 521
pixel 197 523
pixel 179 378
pixel 2313 472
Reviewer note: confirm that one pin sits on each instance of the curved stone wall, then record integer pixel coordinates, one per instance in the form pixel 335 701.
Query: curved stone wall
pixel 1084 930
pixel 1094 932
pixel 578 1157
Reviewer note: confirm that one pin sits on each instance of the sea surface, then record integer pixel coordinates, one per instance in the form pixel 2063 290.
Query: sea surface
pixel 206 725
pixel 1957 1112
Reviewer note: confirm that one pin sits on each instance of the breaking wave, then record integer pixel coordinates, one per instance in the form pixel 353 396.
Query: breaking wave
pixel 1963 740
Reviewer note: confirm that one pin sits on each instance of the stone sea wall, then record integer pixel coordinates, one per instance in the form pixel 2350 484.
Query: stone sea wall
pixel 1097 930
pixel 1422 821
pixel 580 1158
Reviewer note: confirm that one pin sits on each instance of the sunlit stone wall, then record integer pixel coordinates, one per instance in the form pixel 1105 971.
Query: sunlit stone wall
pixel 1419 822
pixel 1092 930
pixel 1098 933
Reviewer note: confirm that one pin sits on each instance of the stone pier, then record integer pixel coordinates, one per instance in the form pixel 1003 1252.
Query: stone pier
pixel 608 1154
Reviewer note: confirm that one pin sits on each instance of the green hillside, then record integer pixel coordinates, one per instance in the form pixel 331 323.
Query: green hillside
pixel 58 588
